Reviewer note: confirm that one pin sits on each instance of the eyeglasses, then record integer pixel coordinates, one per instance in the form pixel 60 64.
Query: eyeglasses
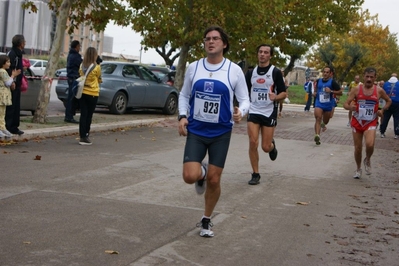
pixel 208 39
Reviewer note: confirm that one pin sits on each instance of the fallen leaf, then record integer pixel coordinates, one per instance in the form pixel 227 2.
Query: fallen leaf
pixel 306 224
pixel 359 225
pixel 342 243
pixel 393 234
pixel 27 242
pixel 38 157
pixel 302 203
pixel 244 216
pixel 111 252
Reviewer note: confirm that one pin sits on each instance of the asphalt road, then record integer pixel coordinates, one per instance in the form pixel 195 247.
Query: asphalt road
pixel 65 204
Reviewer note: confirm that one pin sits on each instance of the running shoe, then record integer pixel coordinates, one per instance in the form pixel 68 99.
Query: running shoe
pixel 317 139
pixel 255 179
pixel 273 153
pixel 200 185
pixel 396 137
pixel 367 166
pixel 2 135
pixel 382 135
pixel 358 174
pixel 206 227
pixel 349 124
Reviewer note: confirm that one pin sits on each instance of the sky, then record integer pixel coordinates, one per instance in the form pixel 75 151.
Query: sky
pixel 126 41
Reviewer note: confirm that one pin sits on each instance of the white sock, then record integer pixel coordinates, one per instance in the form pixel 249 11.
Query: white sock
pixel 203 216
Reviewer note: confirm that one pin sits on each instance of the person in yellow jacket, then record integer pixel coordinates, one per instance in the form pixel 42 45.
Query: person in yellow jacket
pixel 90 93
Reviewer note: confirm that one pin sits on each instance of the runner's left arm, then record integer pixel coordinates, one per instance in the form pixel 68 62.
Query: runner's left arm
pixel 279 85
pixel 336 89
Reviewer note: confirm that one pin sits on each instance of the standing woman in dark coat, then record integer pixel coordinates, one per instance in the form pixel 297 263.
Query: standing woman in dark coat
pixel 13 111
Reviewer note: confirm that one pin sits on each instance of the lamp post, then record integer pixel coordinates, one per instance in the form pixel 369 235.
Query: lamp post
pixel 141 51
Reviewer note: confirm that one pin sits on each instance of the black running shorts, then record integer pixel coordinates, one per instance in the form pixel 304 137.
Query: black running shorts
pixel 262 120
pixel 217 148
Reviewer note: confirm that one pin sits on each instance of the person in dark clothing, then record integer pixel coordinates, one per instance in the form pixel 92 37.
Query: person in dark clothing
pixel 13 111
pixel 73 64
pixel 309 91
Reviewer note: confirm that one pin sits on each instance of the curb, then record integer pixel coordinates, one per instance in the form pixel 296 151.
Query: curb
pixel 74 129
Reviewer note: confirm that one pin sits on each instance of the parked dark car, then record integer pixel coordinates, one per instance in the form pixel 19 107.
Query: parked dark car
pixel 62 82
pixel 161 72
pixel 165 74
pixel 130 86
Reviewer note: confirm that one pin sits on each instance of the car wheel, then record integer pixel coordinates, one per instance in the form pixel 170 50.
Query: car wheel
pixel 119 103
pixel 170 105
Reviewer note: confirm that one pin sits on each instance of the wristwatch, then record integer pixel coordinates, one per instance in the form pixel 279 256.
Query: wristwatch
pixel 181 116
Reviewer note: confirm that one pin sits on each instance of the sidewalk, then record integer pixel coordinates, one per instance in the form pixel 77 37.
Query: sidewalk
pixel 102 121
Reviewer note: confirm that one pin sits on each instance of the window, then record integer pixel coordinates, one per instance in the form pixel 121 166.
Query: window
pixel 107 68
pixel 129 71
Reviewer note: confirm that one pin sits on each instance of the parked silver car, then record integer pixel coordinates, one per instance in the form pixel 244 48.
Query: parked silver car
pixel 130 86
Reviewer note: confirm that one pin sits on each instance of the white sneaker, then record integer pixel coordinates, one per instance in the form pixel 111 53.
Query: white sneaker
pixel 396 137
pixel 349 124
pixel 6 133
pixel 206 227
pixel 367 166
pixel 200 185
pixel 358 174
pixel 382 135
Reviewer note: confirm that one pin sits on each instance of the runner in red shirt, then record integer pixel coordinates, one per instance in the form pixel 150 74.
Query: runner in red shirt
pixel 363 101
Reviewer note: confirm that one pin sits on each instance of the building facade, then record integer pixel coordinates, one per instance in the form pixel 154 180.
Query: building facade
pixel 39 29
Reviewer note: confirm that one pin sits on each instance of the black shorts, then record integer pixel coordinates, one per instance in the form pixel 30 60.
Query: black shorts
pixel 217 148
pixel 262 120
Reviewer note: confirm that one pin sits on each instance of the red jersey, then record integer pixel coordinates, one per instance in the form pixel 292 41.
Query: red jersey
pixel 366 108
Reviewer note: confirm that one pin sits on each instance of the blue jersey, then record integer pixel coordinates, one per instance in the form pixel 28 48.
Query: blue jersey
pixel 209 90
pixel 324 100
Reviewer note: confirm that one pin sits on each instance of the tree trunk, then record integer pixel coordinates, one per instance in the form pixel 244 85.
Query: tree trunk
pixel 181 66
pixel 44 95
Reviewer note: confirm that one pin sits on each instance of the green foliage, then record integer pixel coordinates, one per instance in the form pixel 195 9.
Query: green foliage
pixel 296 94
pixel 366 44
pixel 248 22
